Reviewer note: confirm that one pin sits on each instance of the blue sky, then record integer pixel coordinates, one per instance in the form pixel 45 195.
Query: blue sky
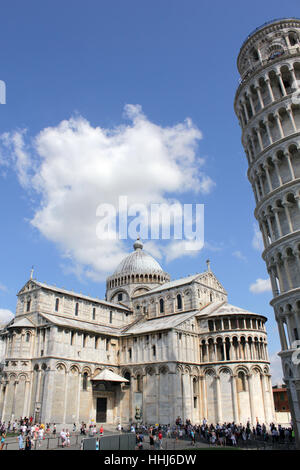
pixel 86 61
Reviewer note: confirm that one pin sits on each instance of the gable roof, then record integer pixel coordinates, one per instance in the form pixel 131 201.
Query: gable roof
pixel 22 323
pixel 166 322
pixel 109 376
pixel 74 294
pixel 199 277
pixel 80 325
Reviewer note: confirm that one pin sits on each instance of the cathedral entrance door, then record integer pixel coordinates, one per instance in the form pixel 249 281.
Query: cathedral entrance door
pixel 101 410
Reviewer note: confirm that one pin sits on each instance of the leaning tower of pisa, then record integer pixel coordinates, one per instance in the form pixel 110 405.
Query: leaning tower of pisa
pixel 267 104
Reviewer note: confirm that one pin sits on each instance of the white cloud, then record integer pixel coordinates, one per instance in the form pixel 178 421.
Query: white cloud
pixel 238 254
pixel 257 240
pixel 260 286
pixel 3 288
pixel 179 248
pixel 74 167
pixel 5 316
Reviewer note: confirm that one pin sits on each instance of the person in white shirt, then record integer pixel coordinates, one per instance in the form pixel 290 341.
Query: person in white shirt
pixel 40 435
pixel 63 437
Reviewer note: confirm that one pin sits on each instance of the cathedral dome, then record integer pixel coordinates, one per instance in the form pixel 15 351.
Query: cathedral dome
pixel 138 262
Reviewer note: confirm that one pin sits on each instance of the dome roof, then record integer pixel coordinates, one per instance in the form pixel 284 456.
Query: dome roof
pixel 138 262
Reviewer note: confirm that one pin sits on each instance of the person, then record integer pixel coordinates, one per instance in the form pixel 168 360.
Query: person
pixel 54 429
pixel 40 435
pixel 139 441
pixel 213 439
pixel 63 437
pixel 151 440
pixel 119 427
pixel 2 442
pixel 20 439
pixel 193 437
pixel 28 442
pixel 74 427
pixel 101 430
pixel 68 438
pixel 160 437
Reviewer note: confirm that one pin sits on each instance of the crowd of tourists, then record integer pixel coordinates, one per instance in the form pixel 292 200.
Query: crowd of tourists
pixel 226 434
pixel 30 434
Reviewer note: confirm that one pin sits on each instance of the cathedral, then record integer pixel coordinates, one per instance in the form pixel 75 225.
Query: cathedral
pixel 152 351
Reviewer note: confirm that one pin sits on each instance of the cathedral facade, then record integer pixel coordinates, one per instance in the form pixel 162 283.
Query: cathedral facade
pixel 152 351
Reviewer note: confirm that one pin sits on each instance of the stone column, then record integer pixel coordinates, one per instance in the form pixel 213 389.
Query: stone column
pixel 26 399
pixel 78 397
pixel 287 156
pixel 4 401
pixel 286 206
pixel 251 395
pixel 287 271
pixel 219 399
pixel 66 396
pixel 204 396
pixel 267 80
pixel 236 417
pixel 277 117
pixel 131 397
pixel 251 102
pixel 157 383
pixel 257 87
pixel 276 210
pixel 266 168
pixel 276 161
pixel 245 110
pixel 278 74
pixel 261 145
pixel 172 396
pixel 290 114
pixel 14 400
pixel 283 341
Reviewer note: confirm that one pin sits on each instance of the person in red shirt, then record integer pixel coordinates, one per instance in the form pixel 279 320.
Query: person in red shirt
pixel 101 431
pixel 160 436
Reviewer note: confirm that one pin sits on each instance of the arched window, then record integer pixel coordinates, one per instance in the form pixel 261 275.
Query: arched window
pixel 161 306
pixel 56 305
pixel 241 382
pixel 139 383
pixel 27 337
pixel 110 316
pixel 179 302
pixel 94 313
pixel 154 350
pixel 72 338
pixel 127 377
pixel 293 38
pixel 76 309
pixel 28 305
pixel 85 381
